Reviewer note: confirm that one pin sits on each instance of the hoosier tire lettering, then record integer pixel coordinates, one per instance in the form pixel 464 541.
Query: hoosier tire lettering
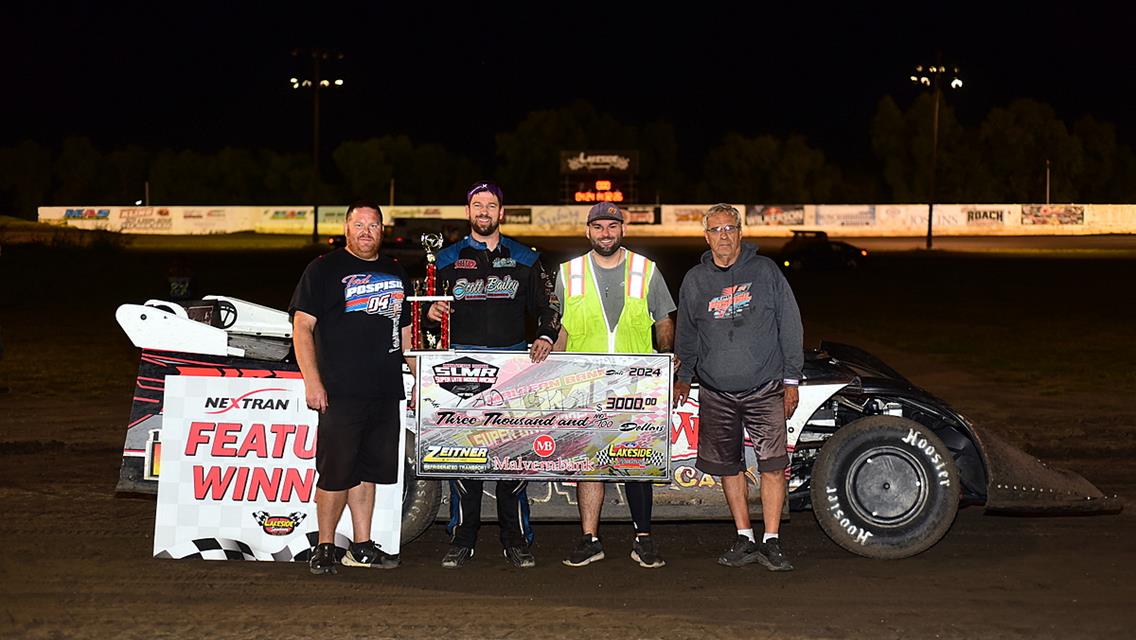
pixel 921 443
pixel 885 487
pixel 860 534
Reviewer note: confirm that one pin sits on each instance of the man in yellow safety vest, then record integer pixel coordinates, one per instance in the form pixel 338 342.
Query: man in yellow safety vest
pixel 611 300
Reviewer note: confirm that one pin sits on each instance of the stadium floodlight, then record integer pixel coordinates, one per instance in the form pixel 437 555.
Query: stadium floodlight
pixel 933 79
pixel 318 57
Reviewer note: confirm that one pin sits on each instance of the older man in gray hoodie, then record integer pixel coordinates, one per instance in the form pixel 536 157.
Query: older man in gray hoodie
pixel 739 330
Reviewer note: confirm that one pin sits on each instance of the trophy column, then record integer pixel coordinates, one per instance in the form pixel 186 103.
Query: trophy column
pixel 425 292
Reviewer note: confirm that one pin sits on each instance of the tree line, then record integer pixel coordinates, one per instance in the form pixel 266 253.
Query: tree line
pixel 1003 158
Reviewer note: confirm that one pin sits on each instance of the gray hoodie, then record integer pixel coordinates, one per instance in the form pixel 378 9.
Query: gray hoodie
pixel 738 328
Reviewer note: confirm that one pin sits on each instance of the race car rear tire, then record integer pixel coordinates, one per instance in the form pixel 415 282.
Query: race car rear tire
pixel 885 487
pixel 420 498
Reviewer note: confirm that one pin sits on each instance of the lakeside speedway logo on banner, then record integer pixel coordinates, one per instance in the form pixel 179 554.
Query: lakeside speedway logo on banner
pixel 238 477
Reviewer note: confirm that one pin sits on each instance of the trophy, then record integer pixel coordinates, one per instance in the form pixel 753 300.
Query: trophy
pixel 426 292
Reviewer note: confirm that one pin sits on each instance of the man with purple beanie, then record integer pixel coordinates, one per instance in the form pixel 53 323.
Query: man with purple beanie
pixel 496 281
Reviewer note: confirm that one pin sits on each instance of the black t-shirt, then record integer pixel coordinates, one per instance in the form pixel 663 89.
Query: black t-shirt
pixel 360 308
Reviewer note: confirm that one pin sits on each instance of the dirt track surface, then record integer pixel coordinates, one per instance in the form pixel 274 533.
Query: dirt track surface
pixel 76 559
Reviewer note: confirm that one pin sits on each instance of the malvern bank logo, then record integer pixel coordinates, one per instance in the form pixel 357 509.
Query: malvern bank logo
pixel 222 404
pixel 465 377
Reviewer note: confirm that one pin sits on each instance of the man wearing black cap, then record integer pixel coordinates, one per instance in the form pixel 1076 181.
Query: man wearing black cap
pixel 495 281
pixel 612 298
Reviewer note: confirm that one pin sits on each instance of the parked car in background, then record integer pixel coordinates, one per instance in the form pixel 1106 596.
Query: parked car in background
pixel 814 250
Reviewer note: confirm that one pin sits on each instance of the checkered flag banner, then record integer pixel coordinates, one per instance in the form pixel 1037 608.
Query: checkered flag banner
pixel 223 549
pixel 237 476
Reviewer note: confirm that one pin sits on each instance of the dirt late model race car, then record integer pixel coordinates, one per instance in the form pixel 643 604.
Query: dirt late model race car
pixel 882 464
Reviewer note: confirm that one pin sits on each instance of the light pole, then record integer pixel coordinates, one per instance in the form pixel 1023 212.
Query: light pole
pixel 932 77
pixel 317 83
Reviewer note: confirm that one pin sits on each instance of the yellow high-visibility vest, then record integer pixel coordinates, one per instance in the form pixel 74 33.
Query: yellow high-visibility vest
pixel 584 319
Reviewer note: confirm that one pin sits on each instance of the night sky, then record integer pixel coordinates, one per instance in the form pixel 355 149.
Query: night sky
pixel 207 75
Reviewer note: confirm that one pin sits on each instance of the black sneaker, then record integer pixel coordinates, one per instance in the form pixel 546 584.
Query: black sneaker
pixel 769 554
pixel 520 557
pixel 645 553
pixel 456 556
pixel 367 554
pixel 587 551
pixel 744 551
pixel 323 559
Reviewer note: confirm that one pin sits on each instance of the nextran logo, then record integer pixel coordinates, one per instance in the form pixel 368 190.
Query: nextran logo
pixel 246 402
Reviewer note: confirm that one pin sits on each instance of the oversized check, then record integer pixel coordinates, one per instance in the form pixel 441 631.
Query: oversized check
pixel 496 415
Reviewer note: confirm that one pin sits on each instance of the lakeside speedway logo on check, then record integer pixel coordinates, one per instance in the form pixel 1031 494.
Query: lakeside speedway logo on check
pixel 465 377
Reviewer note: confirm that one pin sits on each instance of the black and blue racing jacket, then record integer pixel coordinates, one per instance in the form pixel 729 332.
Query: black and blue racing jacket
pixel 493 290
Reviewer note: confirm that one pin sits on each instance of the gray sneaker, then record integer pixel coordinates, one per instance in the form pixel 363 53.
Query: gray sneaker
pixel 587 551
pixel 520 557
pixel 645 553
pixel 769 554
pixel 456 557
pixel 744 551
pixel 367 554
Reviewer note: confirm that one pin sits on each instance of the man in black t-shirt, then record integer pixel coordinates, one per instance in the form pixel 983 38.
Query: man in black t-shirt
pixel 350 319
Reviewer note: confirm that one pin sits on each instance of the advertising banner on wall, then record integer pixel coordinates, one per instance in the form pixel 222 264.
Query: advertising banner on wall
pixel 1052 214
pixel 91 218
pixel 285 219
pixel 331 219
pixel 640 214
pixel 684 215
pixel 518 215
pixel 993 216
pixel 774 215
pixel 455 212
pixel 569 217
pixel 146 220
pixel 904 216
pixel 237 474
pixel 208 220
pixel 498 415
pixel 845 215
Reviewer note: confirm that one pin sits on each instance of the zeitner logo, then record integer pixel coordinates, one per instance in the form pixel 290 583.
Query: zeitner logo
pixel 465 377
pixel 246 402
